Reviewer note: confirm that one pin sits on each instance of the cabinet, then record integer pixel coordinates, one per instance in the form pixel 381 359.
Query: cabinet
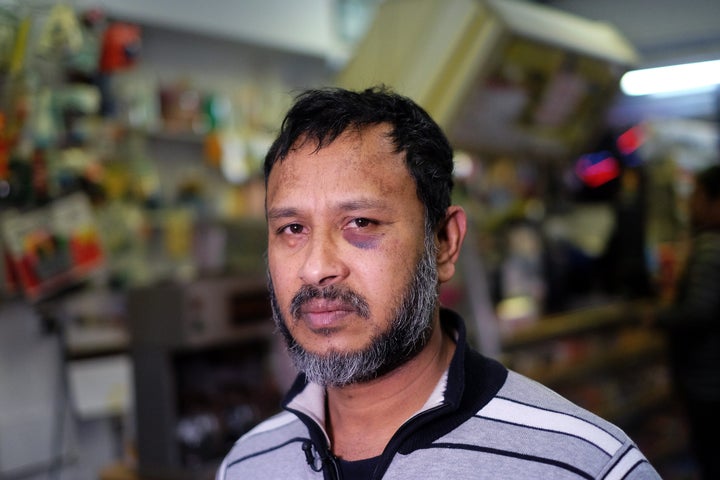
pixel 204 372
pixel 603 359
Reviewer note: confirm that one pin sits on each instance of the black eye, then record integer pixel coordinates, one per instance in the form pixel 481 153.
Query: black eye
pixel 362 222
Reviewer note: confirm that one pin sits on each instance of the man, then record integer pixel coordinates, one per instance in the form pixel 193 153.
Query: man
pixel 692 323
pixel 361 234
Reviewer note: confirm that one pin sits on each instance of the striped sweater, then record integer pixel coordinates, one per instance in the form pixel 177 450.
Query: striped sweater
pixel 482 422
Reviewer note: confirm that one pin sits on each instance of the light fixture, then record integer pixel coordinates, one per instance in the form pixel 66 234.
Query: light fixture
pixel 672 80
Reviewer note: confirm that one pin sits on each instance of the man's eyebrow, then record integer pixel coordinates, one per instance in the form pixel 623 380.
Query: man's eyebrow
pixel 362 204
pixel 279 213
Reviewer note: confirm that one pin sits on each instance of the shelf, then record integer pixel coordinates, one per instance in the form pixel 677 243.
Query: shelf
pixel 613 360
pixel 191 138
pixel 572 323
pixel 636 405
pixel 260 331
pixel 95 341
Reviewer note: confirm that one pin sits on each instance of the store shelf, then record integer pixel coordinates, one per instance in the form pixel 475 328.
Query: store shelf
pixel 573 323
pixel 261 331
pixel 86 342
pixel 609 361
pixel 637 405
pixel 190 138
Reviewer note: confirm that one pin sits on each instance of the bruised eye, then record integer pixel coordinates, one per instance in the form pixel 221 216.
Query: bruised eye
pixel 360 232
pixel 362 222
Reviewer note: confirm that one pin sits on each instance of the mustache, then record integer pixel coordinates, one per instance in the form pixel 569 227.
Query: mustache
pixel 349 298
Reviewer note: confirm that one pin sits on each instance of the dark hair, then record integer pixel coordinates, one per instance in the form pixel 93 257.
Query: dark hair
pixel 709 181
pixel 322 115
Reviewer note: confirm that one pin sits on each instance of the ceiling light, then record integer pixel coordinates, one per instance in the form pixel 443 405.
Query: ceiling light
pixel 672 80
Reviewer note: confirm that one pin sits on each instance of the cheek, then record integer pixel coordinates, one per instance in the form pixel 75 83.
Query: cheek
pixel 280 274
pixel 386 267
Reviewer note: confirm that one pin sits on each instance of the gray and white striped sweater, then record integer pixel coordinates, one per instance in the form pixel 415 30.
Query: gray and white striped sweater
pixel 482 422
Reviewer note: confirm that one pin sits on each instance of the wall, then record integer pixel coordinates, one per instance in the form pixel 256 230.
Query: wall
pixel 38 430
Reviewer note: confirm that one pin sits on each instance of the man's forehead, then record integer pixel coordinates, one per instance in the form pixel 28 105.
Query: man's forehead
pixel 346 172
pixel 353 150
pixel 353 133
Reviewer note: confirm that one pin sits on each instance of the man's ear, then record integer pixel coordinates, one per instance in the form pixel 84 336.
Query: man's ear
pixel 450 237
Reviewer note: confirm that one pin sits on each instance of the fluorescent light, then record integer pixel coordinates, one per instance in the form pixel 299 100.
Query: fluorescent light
pixel 674 79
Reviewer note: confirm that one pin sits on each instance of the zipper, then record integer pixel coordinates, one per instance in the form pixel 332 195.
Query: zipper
pixel 323 460
pixel 397 439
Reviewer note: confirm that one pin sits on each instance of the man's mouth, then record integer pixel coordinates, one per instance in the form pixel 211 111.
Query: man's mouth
pixel 324 314
pixel 327 309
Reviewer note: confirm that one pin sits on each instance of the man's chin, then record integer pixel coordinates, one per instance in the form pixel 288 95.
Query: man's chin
pixel 336 366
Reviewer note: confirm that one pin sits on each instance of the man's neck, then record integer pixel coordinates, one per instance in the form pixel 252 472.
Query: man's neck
pixel 362 418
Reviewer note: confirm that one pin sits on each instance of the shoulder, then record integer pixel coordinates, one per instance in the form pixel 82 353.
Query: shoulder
pixel 533 405
pixel 277 424
pixel 526 431
pixel 524 408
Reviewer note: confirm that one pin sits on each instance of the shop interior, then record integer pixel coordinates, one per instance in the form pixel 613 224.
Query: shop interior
pixel 135 333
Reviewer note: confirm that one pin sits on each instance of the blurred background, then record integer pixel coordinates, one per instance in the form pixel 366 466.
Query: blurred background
pixel 135 338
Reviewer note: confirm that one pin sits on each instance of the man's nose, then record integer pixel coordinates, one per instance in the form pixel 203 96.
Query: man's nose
pixel 323 263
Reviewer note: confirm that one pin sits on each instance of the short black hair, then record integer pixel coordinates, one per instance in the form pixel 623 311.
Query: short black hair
pixel 322 115
pixel 709 181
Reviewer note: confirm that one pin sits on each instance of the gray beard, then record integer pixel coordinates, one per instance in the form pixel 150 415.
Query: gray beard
pixel 408 334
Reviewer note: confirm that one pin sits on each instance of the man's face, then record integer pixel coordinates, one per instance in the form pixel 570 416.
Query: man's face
pixel 346 249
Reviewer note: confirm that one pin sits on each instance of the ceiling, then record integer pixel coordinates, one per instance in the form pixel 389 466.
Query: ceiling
pixel 664 32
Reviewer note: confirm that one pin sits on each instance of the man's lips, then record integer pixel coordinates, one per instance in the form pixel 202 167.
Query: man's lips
pixel 323 314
